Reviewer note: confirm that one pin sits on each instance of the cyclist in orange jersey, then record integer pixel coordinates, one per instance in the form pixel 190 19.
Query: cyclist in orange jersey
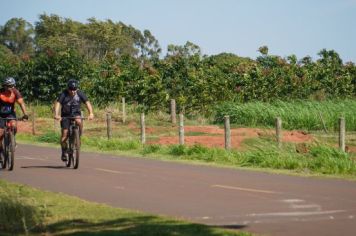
pixel 9 95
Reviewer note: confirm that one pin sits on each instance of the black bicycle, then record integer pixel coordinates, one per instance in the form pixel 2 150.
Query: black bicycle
pixel 73 143
pixel 7 157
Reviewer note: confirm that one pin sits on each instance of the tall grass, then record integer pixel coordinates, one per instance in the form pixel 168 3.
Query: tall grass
pixel 319 159
pixel 299 114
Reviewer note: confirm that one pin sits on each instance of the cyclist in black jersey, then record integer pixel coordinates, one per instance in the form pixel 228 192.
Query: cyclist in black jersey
pixel 69 101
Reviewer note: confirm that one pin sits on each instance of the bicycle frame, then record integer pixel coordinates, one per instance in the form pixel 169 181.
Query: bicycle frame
pixel 73 140
pixel 8 144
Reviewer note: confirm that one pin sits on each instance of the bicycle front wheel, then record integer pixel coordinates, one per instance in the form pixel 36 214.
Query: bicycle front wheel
pixel 3 154
pixel 76 148
pixel 69 153
pixel 2 160
pixel 69 160
pixel 11 151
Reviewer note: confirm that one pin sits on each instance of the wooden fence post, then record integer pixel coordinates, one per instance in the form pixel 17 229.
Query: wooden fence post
pixel 143 133
pixel 279 131
pixel 227 132
pixel 55 125
pixel 173 112
pixel 33 120
pixel 123 111
pixel 342 133
pixel 108 126
pixel 323 122
pixel 181 129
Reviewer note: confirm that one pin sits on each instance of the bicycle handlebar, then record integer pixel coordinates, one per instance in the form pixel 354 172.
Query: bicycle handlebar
pixel 20 119
pixel 73 117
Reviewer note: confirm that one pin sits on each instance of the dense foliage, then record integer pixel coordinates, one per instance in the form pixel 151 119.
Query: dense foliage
pixel 114 60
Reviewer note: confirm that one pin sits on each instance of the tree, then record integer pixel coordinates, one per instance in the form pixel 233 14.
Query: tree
pixel 263 50
pixel 147 44
pixel 46 75
pixel 186 51
pixel 95 39
pixel 9 62
pixel 17 35
pixel 107 37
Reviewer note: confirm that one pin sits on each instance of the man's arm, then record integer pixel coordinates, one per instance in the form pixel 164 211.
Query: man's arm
pixel 57 107
pixel 90 110
pixel 21 102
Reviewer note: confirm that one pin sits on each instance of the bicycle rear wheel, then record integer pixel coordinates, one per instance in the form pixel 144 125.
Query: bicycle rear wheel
pixel 10 151
pixel 2 160
pixel 76 148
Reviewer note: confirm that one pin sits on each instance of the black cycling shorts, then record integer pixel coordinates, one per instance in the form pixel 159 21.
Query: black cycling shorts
pixel 3 122
pixel 65 123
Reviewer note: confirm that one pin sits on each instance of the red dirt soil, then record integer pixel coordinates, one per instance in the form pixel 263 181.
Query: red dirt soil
pixel 237 136
pixel 211 136
pixel 24 127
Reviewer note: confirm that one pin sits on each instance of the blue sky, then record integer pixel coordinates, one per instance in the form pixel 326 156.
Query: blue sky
pixel 300 27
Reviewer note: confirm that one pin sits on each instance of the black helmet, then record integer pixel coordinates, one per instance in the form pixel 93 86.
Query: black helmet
pixel 9 82
pixel 72 84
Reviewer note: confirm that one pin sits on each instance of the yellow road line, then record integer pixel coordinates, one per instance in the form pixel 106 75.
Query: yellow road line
pixel 244 189
pixel 31 158
pixel 113 171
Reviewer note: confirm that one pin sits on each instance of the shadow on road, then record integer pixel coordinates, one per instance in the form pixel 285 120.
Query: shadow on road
pixel 231 226
pixel 46 167
pixel 146 225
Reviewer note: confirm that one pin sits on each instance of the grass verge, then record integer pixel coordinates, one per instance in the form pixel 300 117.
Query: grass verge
pixel 305 159
pixel 28 211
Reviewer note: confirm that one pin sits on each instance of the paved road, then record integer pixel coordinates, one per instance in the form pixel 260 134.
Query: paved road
pixel 258 202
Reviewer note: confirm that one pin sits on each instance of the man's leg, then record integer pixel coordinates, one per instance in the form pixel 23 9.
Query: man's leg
pixel 13 125
pixel 64 137
pixel 80 124
pixel 1 136
pixel 64 146
pixel 1 150
pixel 2 130
pixel 14 128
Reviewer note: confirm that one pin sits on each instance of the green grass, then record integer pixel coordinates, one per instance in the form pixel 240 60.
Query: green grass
pixel 308 115
pixel 263 153
pixel 28 211
pixel 196 133
pixel 332 137
pixel 320 157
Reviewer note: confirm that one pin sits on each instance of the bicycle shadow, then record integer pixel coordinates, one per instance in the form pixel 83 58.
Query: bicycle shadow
pixel 44 167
